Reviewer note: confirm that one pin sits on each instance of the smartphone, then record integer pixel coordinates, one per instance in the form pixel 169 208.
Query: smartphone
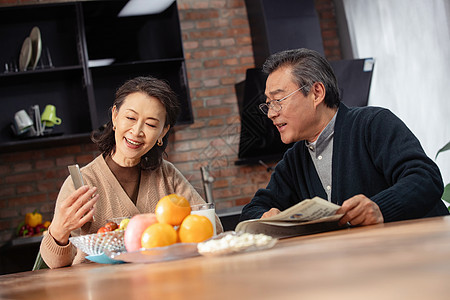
pixel 75 173
pixel 77 179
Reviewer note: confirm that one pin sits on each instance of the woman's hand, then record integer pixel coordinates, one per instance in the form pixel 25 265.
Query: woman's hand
pixel 72 213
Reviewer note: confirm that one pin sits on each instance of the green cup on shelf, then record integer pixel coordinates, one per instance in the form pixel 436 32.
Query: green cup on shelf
pixel 48 117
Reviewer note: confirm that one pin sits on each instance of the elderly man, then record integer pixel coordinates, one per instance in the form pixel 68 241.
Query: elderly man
pixel 364 159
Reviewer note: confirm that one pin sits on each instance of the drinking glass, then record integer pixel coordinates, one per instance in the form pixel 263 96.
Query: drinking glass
pixel 207 210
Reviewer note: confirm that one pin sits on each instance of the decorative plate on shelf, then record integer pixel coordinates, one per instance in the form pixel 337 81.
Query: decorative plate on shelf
pixel 25 54
pixel 36 43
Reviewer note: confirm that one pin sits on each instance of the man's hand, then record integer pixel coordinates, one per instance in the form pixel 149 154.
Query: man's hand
pixel 270 213
pixel 360 210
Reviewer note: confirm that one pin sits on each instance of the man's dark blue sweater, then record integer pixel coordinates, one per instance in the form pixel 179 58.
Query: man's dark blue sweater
pixel 374 154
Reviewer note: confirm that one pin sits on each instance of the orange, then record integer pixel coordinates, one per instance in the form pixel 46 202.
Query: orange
pixel 178 234
pixel 172 209
pixel 195 229
pixel 158 235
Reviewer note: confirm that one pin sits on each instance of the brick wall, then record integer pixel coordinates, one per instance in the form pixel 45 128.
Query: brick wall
pixel 218 50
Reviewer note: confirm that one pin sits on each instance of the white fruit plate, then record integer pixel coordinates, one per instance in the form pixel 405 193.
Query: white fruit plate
pixel 172 252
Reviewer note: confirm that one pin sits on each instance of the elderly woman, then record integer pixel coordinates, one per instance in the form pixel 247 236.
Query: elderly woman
pixel 130 175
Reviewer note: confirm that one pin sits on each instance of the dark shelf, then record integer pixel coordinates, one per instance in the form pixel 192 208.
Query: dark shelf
pixel 74 34
pixel 44 142
pixel 65 90
pixel 140 62
pixel 40 71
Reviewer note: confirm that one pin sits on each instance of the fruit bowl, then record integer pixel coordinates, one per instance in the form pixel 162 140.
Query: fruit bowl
pixel 97 243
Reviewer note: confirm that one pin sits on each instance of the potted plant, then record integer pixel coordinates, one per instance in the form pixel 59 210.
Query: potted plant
pixel 446 194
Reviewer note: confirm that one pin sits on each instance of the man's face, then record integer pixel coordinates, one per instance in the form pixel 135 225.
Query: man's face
pixel 296 120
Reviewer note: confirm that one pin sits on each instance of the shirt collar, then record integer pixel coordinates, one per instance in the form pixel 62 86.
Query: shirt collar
pixel 324 138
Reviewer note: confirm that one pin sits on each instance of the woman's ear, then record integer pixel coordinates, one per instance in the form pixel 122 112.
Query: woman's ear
pixel 164 131
pixel 114 114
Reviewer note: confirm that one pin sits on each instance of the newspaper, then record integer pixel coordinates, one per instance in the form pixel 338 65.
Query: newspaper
pixel 306 217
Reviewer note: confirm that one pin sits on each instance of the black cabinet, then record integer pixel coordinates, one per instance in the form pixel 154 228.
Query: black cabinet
pixel 19 254
pixel 87 52
pixel 281 25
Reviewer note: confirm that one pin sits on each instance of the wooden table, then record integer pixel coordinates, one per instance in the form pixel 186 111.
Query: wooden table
pixel 402 260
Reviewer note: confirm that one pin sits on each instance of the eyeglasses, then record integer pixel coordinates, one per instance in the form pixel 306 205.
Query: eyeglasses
pixel 275 104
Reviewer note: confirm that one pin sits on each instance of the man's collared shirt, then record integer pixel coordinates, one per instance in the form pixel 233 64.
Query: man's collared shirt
pixel 321 152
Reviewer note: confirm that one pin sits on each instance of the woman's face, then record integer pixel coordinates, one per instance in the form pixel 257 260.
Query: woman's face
pixel 139 125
